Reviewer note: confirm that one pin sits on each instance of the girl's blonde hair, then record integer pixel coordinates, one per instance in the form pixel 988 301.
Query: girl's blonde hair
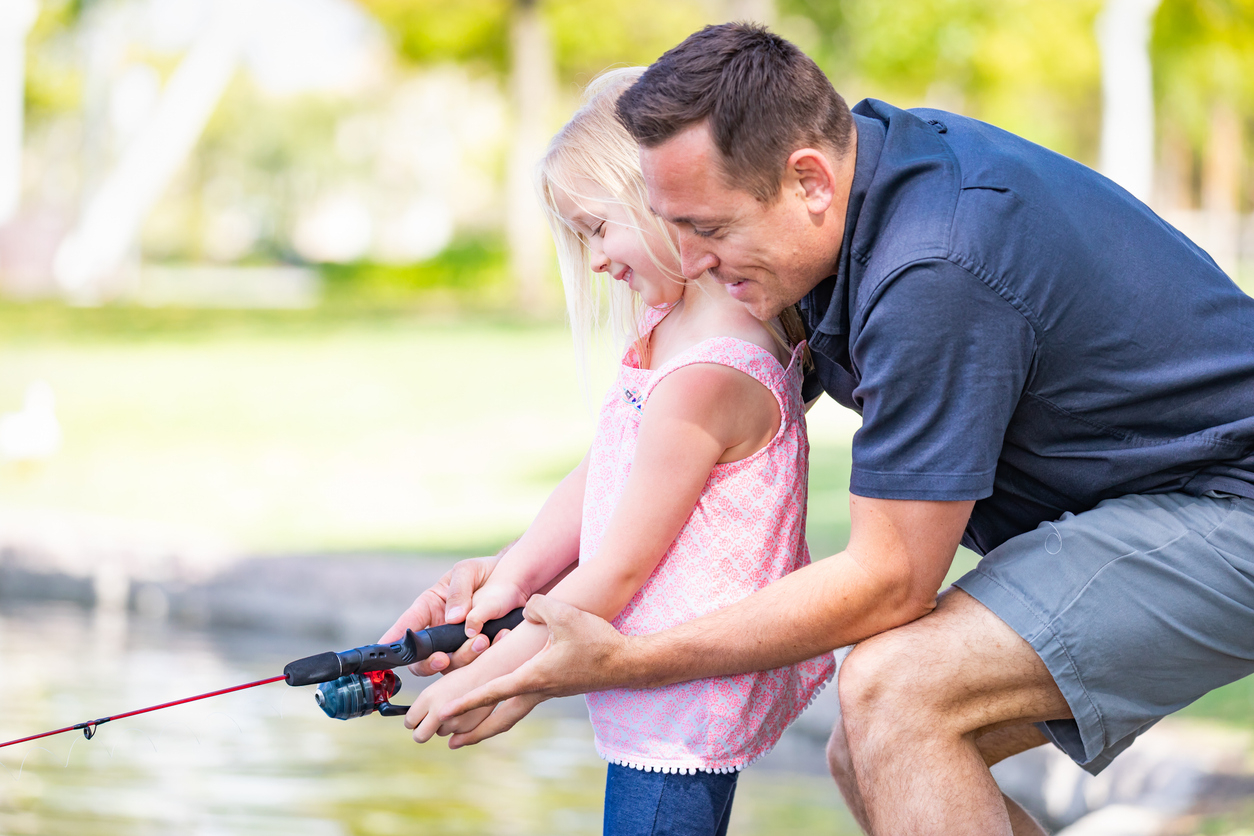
pixel 595 148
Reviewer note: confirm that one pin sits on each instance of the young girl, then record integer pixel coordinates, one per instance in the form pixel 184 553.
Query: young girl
pixel 692 497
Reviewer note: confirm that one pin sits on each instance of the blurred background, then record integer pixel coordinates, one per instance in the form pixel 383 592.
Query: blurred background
pixel 281 332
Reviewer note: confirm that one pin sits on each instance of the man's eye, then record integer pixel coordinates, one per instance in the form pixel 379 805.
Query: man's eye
pixel 703 233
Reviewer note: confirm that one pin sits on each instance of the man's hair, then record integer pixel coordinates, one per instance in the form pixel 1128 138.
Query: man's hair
pixel 762 97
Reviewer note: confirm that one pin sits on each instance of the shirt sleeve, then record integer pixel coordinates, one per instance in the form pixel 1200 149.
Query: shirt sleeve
pixel 942 361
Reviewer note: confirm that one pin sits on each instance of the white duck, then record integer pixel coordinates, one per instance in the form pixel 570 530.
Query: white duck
pixel 33 433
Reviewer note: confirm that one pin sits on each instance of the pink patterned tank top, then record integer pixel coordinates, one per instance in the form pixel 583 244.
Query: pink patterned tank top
pixel 746 530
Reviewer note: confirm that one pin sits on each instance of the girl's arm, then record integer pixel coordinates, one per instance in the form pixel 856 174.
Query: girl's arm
pixel 688 426
pixel 550 545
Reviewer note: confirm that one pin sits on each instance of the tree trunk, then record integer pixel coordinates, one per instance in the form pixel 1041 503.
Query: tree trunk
pixel 1221 172
pixel 1127 150
pixel 111 221
pixel 533 90
pixel 16 17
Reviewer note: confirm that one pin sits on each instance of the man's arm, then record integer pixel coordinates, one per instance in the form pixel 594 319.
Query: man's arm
pixel 898 554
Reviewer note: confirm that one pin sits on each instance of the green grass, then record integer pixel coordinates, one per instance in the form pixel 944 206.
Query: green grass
pixel 323 430
pixel 1233 703
pixel 285 434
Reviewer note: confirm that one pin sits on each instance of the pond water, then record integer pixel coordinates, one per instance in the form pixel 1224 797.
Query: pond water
pixel 267 761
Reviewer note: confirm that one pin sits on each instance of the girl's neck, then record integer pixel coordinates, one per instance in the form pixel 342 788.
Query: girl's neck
pixel 705 310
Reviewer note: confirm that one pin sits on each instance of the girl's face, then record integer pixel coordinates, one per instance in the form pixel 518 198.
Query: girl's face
pixel 616 248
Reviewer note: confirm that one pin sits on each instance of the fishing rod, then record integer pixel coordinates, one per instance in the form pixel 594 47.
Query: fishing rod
pixel 351 683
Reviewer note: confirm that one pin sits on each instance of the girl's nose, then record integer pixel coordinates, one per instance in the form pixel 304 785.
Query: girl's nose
pixel 599 261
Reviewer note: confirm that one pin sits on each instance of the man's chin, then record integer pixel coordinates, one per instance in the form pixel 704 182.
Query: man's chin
pixel 762 309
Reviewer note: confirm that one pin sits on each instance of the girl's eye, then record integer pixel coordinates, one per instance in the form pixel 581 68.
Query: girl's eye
pixel 599 231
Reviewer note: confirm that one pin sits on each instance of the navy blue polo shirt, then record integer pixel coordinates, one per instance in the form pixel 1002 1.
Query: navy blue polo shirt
pixel 1016 329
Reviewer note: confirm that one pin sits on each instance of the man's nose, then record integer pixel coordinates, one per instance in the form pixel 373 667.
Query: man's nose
pixel 695 256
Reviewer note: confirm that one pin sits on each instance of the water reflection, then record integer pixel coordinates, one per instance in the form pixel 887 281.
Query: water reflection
pixel 267 761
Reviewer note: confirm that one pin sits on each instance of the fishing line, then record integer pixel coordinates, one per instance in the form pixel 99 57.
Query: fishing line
pixel 238 727
pixel 22 768
pixel 351 683
pixel 90 727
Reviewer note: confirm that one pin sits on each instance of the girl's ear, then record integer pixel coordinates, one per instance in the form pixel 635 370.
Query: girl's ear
pixel 809 176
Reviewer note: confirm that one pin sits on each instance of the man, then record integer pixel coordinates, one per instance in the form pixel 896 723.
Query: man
pixel 1046 372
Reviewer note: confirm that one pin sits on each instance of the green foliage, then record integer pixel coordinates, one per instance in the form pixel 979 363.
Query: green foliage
pixel 591 35
pixel 587 35
pixel 1203 53
pixel 468 274
pixel 53 83
pixel 1028 66
pixel 432 31
pixel 268 156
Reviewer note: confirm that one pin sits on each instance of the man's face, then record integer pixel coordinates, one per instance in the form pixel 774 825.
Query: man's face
pixel 767 255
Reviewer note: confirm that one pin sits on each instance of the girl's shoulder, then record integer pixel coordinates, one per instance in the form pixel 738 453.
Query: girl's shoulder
pixel 714 334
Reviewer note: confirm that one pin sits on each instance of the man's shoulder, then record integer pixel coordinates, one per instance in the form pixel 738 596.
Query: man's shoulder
pixel 983 154
pixel 951 187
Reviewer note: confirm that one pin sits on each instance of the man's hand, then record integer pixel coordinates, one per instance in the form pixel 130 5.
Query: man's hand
pixel 446 603
pixel 584 653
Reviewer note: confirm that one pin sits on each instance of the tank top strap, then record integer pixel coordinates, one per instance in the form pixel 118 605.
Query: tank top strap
pixel 744 356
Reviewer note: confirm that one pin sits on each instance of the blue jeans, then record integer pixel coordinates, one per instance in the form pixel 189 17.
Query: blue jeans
pixel 639 803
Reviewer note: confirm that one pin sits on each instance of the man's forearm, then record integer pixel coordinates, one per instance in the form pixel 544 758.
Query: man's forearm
pixel 816 609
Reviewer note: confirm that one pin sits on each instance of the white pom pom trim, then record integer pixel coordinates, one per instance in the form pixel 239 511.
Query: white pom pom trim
pixel 685 769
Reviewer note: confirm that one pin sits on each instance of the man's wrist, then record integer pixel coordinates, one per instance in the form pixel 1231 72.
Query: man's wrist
pixel 637 662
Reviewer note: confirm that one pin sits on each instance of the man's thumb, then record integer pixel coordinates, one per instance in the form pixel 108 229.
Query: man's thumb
pixel 538 610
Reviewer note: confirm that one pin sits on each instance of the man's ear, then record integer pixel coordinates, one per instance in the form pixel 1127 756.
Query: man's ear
pixel 810 176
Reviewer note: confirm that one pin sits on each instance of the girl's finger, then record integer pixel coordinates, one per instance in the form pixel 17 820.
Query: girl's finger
pixel 502 719
pixel 426 728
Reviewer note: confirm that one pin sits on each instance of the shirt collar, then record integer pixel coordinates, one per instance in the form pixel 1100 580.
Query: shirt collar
pixel 826 307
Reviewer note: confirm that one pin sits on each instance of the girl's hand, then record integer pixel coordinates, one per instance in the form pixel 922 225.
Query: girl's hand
pixel 445 602
pixel 464 723
pixel 424 715
pixel 493 600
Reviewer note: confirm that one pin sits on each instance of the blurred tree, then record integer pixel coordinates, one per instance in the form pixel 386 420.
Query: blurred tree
pixel 1033 67
pixel 1203 52
pixel 16 19
pixel 1028 66
pixel 546 50
pixel 52 85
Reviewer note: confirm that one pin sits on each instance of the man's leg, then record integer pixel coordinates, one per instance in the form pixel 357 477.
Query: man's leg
pixel 994 746
pixel 916 699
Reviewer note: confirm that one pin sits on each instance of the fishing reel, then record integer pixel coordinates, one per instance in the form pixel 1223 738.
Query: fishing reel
pixel 357 695
pixel 358 682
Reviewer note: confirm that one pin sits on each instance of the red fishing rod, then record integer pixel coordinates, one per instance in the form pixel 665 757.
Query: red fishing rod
pixel 89 727
pixel 351 683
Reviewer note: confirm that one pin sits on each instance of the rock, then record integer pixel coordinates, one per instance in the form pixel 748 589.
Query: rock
pixel 1119 820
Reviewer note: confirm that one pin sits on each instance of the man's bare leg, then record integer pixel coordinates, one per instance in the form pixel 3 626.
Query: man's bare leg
pixel 915 702
pixel 995 746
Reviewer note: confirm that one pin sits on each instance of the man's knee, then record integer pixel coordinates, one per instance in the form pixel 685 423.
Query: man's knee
pixel 958 670
pixel 838 760
pixel 881 680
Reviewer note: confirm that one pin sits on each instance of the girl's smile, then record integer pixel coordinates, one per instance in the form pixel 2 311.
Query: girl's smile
pixel 619 246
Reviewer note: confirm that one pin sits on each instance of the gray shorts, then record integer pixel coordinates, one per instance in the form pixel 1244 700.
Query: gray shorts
pixel 1137 607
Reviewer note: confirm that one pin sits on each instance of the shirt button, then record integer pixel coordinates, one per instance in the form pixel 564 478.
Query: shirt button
pixel 938 125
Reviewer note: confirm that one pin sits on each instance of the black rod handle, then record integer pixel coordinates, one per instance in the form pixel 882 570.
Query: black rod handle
pixel 447 638
pixel 416 646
